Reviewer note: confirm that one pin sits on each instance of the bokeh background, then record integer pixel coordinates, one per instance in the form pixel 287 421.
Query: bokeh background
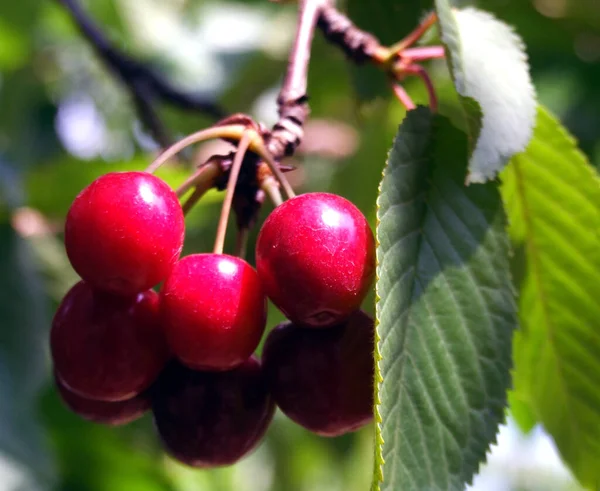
pixel 65 120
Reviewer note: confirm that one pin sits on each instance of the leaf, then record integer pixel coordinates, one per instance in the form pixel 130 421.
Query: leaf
pixel 552 197
pixel 491 75
pixel 445 312
pixel 522 413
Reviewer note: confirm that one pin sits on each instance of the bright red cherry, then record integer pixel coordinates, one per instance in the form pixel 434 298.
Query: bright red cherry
pixel 211 419
pixel 107 347
pixel 323 378
pixel 214 311
pixel 124 232
pixel 107 413
pixel 315 256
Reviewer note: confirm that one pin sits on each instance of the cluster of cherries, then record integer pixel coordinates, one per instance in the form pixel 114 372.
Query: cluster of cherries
pixel 121 349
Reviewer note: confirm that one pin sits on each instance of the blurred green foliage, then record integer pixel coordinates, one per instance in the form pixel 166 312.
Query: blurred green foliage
pixel 64 120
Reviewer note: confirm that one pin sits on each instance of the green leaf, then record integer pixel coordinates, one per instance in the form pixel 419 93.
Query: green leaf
pixel 446 312
pixel 522 413
pixel 552 197
pixel 491 75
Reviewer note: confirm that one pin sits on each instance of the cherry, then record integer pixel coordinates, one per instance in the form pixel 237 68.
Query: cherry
pixel 214 311
pixel 124 232
pixel 211 419
pixel 323 378
pixel 107 347
pixel 108 413
pixel 315 256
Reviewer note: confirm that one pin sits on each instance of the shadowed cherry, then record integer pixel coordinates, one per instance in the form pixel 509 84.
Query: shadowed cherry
pixel 102 412
pixel 323 378
pixel 212 419
pixel 107 347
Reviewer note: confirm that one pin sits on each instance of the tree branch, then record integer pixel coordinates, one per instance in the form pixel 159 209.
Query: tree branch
pixel 144 84
pixel 397 60
pixel 287 133
pixel 338 29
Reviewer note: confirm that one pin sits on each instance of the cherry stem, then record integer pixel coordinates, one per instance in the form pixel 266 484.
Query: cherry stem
pixel 234 173
pixel 270 186
pixel 424 53
pixel 414 36
pixel 204 178
pixel 403 96
pixel 241 242
pixel 231 131
pixel 274 168
pixel 419 71
pixel 192 200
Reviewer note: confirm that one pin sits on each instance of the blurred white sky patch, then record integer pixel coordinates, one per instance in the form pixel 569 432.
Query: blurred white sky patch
pixel 81 127
pixel 202 50
pixel 14 477
pixel 265 107
pixel 525 462
pixel 84 132
pixel 194 44
pixel 232 28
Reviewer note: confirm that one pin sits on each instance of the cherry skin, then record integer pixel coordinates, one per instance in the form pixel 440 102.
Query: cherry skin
pixel 107 347
pixel 323 378
pixel 124 232
pixel 106 413
pixel 315 256
pixel 214 311
pixel 212 419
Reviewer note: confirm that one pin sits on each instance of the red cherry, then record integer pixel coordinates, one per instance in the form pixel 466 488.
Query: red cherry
pixel 107 347
pixel 124 232
pixel 323 378
pixel 107 413
pixel 211 419
pixel 214 311
pixel 315 256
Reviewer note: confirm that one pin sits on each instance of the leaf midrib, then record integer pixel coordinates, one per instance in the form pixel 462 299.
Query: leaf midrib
pixel 537 275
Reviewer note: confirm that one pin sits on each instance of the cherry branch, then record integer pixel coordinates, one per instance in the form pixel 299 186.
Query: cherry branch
pixel 358 45
pixel 288 132
pixel 397 60
pixel 144 84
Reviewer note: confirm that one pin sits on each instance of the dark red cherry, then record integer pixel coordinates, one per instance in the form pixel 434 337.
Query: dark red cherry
pixel 124 232
pixel 323 378
pixel 214 311
pixel 107 413
pixel 315 256
pixel 107 347
pixel 211 419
